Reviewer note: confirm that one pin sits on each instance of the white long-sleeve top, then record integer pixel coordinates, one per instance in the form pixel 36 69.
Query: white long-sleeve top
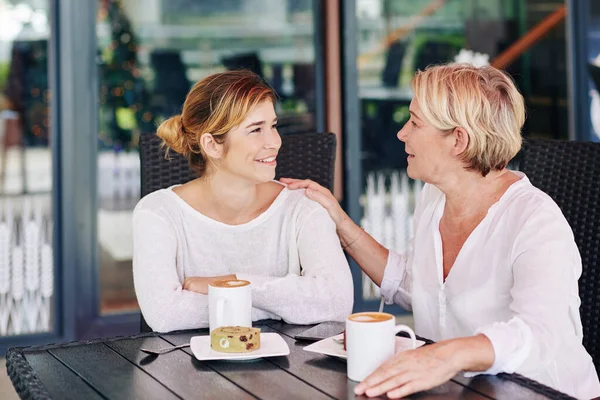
pixel 290 253
pixel 514 280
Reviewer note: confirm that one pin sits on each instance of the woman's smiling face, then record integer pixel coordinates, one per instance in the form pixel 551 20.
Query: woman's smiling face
pixel 429 149
pixel 252 146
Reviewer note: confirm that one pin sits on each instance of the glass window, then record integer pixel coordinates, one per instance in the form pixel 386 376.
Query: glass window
pixel 150 54
pixel 26 220
pixel 397 37
pixel 593 38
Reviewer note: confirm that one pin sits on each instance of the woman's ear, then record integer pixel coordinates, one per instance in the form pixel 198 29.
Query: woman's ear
pixel 461 141
pixel 210 146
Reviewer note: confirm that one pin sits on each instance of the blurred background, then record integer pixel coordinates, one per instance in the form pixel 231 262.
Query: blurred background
pixel 81 80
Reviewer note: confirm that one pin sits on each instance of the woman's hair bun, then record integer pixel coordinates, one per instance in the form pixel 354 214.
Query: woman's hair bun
pixel 172 132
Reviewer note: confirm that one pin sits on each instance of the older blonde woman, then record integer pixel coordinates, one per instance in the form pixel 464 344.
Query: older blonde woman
pixel 491 273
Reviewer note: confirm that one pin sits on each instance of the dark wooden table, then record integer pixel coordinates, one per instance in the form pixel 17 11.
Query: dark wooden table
pixel 115 368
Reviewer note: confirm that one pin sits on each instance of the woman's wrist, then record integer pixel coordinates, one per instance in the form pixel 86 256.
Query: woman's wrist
pixel 348 244
pixel 348 232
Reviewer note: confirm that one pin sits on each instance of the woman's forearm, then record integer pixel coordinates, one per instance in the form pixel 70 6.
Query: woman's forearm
pixel 472 354
pixel 166 310
pixel 369 254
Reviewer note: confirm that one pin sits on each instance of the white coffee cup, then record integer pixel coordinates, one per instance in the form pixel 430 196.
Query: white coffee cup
pixel 229 303
pixel 370 341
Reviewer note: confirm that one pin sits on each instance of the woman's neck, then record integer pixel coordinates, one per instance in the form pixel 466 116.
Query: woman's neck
pixel 468 193
pixel 226 199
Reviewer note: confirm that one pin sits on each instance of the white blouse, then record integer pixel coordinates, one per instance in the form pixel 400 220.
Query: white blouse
pixel 514 280
pixel 291 254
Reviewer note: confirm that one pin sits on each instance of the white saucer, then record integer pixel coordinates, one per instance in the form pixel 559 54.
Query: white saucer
pixel 332 348
pixel 271 345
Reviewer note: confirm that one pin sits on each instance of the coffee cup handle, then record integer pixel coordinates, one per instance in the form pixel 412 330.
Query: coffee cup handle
pixel 220 311
pixel 407 329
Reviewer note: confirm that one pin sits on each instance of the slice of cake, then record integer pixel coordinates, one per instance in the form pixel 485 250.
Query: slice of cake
pixel 235 339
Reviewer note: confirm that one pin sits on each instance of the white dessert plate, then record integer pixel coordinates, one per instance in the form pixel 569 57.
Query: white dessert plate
pixel 332 346
pixel 271 345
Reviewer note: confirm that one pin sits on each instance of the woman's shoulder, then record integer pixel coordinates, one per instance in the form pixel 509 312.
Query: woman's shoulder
pixel 296 200
pixel 528 199
pixel 528 208
pixel 297 207
pixel 156 202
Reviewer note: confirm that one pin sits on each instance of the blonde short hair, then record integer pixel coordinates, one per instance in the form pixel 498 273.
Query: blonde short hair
pixel 215 105
pixel 483 101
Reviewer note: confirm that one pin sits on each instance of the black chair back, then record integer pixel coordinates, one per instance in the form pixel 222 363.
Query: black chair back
pixel 569 172
pixel 302 156
pixel 250 61
pixel 594 71
pixel 390 76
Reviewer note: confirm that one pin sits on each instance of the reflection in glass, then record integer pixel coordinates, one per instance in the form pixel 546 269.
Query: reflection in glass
pixel 149 55
pixel 395 38
pixel 593 46
pixel 26 247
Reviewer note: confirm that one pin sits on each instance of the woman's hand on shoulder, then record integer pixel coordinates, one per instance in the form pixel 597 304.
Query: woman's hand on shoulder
pixel 199 284
pixel 321 195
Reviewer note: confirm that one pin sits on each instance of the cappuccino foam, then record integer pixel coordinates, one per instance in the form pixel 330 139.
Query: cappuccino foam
pixel 235 283
pixel 230 283
pixel 370 317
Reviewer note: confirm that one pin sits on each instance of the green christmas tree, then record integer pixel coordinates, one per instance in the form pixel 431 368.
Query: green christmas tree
pixel 124 99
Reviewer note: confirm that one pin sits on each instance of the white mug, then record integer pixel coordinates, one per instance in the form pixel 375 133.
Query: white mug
pixel 229 303
pixel 370 341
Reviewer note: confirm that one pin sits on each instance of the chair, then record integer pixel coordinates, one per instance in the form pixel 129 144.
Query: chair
pixel 437 50
pixel 303 156
pixel 171 84
pixel 569 172
pixel 594 71
pixel 250 61
pixel 304 84
pixel 390 77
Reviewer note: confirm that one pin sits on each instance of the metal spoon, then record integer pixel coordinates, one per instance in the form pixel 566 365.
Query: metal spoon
pixel 165 350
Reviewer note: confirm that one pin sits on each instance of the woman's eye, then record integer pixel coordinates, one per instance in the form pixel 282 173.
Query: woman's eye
pixel 274 126
pixel 413 123
pixel 255 130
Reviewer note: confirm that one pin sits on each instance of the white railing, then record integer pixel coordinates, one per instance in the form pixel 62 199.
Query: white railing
pixel 118 177
pixel 26 264
pixel 118 193
pixel 388 205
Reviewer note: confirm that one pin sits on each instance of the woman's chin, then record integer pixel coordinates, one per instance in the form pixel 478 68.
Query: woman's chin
pixel 264 178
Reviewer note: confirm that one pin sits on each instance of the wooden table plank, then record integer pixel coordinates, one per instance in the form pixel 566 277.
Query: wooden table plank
pixel 288 329
pixel 184 375
pixel 326 373
pixel 498 388
pixel 110 374
pixel 60 381
pixel 259 377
